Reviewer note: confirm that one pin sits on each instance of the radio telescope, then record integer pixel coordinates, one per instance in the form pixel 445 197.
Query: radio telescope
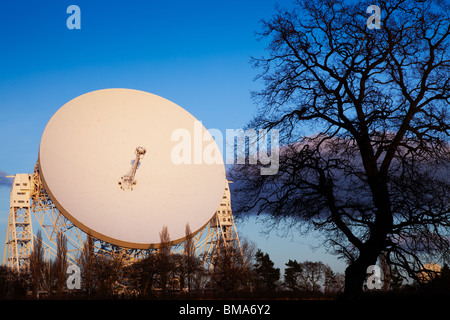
pixel 105 169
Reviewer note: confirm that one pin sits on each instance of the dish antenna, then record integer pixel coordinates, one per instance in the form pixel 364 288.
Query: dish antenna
pixel 105 166
pixel 105 160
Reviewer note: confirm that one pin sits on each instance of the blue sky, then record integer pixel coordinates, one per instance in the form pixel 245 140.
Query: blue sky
pixel 194 53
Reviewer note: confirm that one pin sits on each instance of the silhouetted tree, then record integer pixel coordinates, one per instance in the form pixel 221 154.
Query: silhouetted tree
pixel 267 275
pixel 314 277
pixel 37 264
pixel 142 274
pixel 364 126
pixel 248 252
pixel 12 285
pixel 87 266
pixel 60 264
pixel 334 282
pixel 5 282
pixel 291 275
pixel 108 271
pixel 440 283
pixel 191 263
pixel 228 272
pixel 49 280
pixel 165 263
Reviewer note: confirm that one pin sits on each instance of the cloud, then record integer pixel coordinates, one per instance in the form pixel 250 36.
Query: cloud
pixel 4 181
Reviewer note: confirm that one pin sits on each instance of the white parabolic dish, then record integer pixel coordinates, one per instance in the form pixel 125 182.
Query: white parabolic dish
pixel 90 143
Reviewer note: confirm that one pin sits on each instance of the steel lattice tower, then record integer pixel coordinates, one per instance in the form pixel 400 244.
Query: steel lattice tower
pixel 29 196
pixel 19 236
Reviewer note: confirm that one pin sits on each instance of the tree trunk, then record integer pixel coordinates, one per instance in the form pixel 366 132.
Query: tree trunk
pixel 355 274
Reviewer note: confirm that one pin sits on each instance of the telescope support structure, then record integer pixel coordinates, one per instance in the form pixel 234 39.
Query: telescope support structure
pixel 28 195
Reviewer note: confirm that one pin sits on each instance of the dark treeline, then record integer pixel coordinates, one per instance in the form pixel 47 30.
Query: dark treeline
pixel 165 275
pixel 231 272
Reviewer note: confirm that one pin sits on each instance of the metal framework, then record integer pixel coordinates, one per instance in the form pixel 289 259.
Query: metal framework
pixel 28 195
pixel 19 235
pixel 220 232
pixel 53 223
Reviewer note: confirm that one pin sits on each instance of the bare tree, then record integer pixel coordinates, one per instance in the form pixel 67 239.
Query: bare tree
pixel 334 282
pixel 142 274
pixel 164 261
pixel 229 272
pixel 363 118
pixel 87 264
pixel 49 281
pixel 108 271
pixel 37 264
pixel 191 263
pixel 310 277
pixel 60 264
pixel 12 285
